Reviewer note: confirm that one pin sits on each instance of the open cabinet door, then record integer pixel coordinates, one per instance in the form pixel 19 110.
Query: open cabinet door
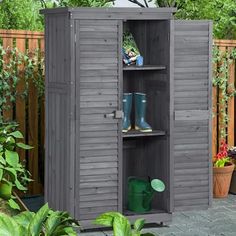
pixel 192 187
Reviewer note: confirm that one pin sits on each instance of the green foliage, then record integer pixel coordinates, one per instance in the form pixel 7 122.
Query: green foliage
pixel 11 74
pixel 129 43
pixel 222 12
pixel 222 162
pixel 20 14
pixel 12 171
pixel 121 225
pixel 223 60
pixel 43 223
pixel 77 3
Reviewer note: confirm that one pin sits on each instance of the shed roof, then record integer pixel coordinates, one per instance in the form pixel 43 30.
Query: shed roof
pixel 113 13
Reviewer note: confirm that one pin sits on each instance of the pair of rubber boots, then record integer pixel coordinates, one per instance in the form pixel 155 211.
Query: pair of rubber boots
pixel 140 109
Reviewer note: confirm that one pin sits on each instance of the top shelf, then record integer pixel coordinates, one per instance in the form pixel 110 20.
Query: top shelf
pixel 145 67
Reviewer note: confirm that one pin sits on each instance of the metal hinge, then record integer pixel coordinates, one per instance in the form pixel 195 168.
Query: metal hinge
pixel 75 37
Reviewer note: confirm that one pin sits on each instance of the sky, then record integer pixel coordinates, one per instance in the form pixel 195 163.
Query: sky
pixel 126 3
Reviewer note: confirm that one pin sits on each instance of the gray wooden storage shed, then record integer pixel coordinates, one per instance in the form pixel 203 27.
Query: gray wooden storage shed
pixel 88 159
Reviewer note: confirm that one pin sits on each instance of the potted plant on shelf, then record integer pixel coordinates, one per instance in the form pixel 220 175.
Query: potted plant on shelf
pixel 13 173
pixel 222 172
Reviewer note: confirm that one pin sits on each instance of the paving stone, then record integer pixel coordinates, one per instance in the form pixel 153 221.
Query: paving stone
pixel 220 220
pixel 163 230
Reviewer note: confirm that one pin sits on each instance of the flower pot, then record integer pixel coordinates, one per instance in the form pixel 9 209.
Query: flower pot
pixel 5 191
pixel 221 180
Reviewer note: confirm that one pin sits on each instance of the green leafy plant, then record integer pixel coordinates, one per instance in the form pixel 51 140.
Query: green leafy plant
pixel 222 61
pixel 129 43
pixel 45 222
pixel 222 158
pixel 121 225
pixel 12 172
pixel 11 73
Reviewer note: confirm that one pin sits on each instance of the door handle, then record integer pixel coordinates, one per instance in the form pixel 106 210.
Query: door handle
pixel 115 115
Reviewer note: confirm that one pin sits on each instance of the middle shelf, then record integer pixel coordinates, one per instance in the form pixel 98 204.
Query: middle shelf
pixel 134 133
pixel 145 67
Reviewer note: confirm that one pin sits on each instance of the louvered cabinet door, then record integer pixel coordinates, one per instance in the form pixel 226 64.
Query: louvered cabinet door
pixel 192 115
pixel 98 117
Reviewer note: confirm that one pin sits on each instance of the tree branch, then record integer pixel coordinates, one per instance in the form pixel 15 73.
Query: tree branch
pixel 145 1
pixel 137 2
pixel 43 4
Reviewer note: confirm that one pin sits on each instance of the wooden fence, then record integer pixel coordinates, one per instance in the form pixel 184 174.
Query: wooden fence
pixel 30 113
pixel 220 107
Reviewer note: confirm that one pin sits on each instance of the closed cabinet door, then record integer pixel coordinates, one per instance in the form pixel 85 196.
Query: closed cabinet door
pixel 192 185
pixel 98 117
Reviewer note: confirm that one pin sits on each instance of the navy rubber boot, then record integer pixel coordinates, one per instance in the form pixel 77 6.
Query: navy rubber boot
pixel 140 109
pixel 127 104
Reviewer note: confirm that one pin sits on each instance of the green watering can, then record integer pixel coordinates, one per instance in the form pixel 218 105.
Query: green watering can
pixel 141 192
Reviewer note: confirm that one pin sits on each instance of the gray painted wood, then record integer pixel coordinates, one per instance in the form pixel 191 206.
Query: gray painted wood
pixel 58 188
pixel 88 159
pixel 94 173
pixel 192 92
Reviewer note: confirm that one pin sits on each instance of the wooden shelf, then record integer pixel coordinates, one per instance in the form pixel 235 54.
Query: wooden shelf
pixel 153 211
pixel 145 67
pixel 134 133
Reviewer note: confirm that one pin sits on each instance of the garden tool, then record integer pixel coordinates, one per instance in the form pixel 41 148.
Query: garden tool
pixel 140 109
pixel 141 192
pixel 127 104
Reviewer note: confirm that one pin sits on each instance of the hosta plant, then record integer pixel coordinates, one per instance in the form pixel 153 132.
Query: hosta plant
pixel 45 222
pixel 121 225
pixel 13 173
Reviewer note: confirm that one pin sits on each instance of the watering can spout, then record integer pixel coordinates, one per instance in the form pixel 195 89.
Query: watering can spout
pixel 141 193
pixel 156 186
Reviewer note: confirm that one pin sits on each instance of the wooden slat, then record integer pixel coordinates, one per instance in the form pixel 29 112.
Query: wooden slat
pixel 21 34
pixel 20 101
pixel 221 108
pixel 34 187
pixel 231 103
pixel 214 118
pixel 7 113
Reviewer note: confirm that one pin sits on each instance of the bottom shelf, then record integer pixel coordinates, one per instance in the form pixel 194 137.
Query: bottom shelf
pixel 153 211
pixel 155 216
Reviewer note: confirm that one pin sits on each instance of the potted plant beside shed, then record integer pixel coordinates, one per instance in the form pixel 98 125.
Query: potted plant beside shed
pixel 13 174
pixel 222 172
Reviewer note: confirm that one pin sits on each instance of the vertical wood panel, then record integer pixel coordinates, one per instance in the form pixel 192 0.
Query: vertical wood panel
pixel 20 101
pixel 214 119
pixel 7 113
pixel 231 102
pixel 221 107
pixel 33 128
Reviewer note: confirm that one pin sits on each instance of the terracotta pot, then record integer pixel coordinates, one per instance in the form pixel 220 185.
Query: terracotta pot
pixel 221 180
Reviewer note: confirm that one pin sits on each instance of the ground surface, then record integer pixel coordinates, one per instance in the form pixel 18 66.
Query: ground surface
pixel 218 220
